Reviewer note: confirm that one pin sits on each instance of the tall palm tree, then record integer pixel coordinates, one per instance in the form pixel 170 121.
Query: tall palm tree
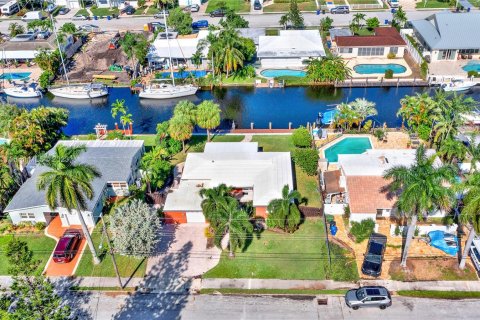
pixel 208 116
pixel 180 128
pixel 186 108
pixel 400 18
pixel 473 150
pixel 126 119
pixel 15 29
pixel 421 189
pixel 346 116
pixel 452 149
pixel 69 184
pixel 469 214
pixel 364 109
pixel 47 60
pixel 214 199
pixel 232 57
pixel 284 212
pixel 118 107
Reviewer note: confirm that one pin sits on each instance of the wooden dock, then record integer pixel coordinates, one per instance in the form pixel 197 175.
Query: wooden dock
pixel 379 83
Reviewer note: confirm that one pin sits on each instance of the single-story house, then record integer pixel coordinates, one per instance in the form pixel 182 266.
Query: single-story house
pixel 184 3
pixel 290 49
pixel 449 36
pixel 72 4
pixel 255 176
pixel 182 49
pixel 385 40
pixel 359 183
pixel 118 163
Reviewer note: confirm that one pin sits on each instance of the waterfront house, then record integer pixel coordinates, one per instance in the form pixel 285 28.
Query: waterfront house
pixel 116 160
pixel 384 41
pixel 255 176
pixel 359 184
pixel 290 49
pixel 448 36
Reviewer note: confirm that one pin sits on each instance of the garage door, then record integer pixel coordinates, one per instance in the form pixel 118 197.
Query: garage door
pixel 193 217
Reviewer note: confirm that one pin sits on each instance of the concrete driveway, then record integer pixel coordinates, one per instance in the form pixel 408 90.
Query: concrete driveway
pixel 181 254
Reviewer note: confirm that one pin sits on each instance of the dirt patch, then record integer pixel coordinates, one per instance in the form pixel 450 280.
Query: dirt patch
pixel 430 270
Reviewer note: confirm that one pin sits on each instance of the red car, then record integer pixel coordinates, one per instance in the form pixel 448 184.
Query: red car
pixel 67 246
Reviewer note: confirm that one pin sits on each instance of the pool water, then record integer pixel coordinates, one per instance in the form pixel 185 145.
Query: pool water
pixel 378 68
pixel 273 73
pixel 357 145
pixel 185 74
pixel 15 75
pixel 3 141
pixel 472 66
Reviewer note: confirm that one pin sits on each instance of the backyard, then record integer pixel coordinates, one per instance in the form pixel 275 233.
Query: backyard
pixel 430 270
pixel 278 255
pixel 41 246
pixel 235 5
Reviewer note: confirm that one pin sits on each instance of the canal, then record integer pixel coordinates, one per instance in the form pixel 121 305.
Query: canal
pixel 243 105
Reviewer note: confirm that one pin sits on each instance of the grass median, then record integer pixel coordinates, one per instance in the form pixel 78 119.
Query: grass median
pixel 433 294
pixel 272 291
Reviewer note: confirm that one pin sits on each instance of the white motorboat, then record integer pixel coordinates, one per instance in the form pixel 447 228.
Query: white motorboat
pixel 29 90
pixel 86 91
pixel 457 85
pixel 159 89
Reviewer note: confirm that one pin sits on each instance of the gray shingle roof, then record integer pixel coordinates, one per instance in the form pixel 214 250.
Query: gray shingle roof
pixel 112 158
pixel 447 30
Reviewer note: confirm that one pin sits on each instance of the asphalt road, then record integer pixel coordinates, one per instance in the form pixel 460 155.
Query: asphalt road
pixel 210 307
pixel 257 20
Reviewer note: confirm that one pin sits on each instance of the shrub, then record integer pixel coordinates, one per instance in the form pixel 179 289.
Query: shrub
pixel 22 12
pixel 346 212
pixel 397 230
pixel 362 230
pixel 94 7
pixel 417 232
pixel 45 79
pixel 391 55
pixel 115 135
pixel 367 125
pixel 140 3
pixel 389 74
pixel 424 132
pixel 307 160
pixel 424 69
pixel 473 73
pixel 379 134
pixel 39 226
pixel 448 220
pixel 301 138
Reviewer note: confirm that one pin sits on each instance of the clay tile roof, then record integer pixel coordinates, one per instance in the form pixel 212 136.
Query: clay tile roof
pixel 332 181
pixel 386 36
pixel 366 196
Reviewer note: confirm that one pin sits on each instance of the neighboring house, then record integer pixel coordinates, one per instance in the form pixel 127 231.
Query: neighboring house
pixel 184 3
pixel 25 47
pixel 385 40
pixel 182 48
pixel 359 183
pixel 449 36
pixel 72 4
pixel 116 160
pixel 290 49
pixel 255 176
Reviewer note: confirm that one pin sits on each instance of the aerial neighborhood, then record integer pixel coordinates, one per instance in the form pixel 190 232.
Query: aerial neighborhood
pixel 253 159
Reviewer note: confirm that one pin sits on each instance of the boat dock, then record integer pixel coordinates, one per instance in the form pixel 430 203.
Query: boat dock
pixel 370 83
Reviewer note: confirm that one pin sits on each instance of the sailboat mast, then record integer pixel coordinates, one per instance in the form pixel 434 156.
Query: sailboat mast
pixel 169 49
pixel 59 50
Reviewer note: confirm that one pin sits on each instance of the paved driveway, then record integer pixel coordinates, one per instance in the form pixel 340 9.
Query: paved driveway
pixel 182 253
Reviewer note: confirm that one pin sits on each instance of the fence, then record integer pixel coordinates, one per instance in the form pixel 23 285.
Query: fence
pixel 366 6
pixel 411 49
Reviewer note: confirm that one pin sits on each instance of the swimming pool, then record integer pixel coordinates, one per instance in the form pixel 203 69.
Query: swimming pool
pixel 273 73
pixel 378 68
pixel 3 141
pixel 15 75
pixel 350 145
pixel 185 74
pixel 472 66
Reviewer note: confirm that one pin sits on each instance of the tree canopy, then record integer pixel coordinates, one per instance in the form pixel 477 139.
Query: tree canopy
pixel 181 21
pixel 293 17
pixel 328 69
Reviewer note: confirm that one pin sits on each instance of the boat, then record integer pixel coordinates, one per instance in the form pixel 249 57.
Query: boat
pixel 25 90
pixel 85 91
pixel 457 85
pixel 159 89
pixel 326 118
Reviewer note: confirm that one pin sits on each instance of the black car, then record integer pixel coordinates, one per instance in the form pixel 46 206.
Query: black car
pixel 218 13
pixel 257 5
pixel 63 10
pixel 129 10
pixel 372 262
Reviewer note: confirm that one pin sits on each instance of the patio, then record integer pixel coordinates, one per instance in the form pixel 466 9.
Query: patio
pixel 448 68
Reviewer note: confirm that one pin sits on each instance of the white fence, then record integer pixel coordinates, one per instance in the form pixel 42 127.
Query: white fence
pixel 411 49
pixel 358 6
pixel 425 229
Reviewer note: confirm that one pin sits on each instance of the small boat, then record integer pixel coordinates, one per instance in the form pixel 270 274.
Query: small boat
pixel 326 118
pixel 159 89
pixel 25 90
pixel 86 91
pixel 457 85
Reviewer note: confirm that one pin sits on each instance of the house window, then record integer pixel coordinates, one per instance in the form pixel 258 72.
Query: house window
pixel 345 50
pixel 394 50
pixel 468 51
pixel 27 216
pixel 371 51
pixel 117 185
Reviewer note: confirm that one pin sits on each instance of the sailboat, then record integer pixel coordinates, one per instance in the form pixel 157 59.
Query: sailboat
pixel 25 90
pixel 161 88
pixel 82 91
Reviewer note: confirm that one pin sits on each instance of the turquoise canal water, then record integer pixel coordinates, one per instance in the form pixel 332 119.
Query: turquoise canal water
pixel 273 73
pixel 15 75
pixel 351 145
pixel 378 68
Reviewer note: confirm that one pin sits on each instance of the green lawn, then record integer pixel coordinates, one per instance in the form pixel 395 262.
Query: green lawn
pixel 41 246
pixel 284 7
pixel 301 255
pixel 450 295
pixel 365 32
pixel 128 266
pixel 236 5
pixel 139 11
pixel 152 10
pixel 104 11
pixel 432 4
pixel 362 1
pixel 83 12
pixel 306 185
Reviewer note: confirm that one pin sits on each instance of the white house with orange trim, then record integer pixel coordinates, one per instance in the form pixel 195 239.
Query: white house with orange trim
pixel 254 175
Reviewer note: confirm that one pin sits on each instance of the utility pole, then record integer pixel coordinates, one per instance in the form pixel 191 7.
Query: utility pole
pixel 110 249
pixel 325 223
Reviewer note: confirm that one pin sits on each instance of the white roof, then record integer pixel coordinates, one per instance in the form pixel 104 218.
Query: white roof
pixel 182 48
pixel 237 164
pixel 374 162
pixel 291 43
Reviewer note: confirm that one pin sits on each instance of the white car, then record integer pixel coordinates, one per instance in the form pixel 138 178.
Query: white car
pixel 90 28
pixel 79 17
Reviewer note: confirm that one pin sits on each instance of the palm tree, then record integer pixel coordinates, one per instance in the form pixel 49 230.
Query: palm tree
pixel 232 57
pixel 186 108
pixel 328 69
pixel 399 18
pixel 416 110
pixel 208 116
pixel 118 107
pixel 421 189
pixel 213 200
pixel 346 116
pixel 452 149
pixel 15 29
pixel 68 28
pixel 47 60
pixel 284 213
pixel 473 150
pixel 126 119
pixel 180 128
pixel 150 162
pixel 364 109
pixel 469 214
pixel 68 184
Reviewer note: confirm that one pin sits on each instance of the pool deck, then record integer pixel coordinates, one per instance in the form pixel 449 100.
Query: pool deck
pixel 34 71
pixel 371 60
pixel 343 137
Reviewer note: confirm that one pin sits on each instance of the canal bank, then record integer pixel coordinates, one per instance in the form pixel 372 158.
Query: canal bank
pixel 241 105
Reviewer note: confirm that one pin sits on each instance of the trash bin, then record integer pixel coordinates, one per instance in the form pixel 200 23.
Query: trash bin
pixel 318 12
pixel 95 18
pixel 323 11
pixel 333 228
pixel 386 21
pixel 393 10
pixel 109 18
pixel 468 9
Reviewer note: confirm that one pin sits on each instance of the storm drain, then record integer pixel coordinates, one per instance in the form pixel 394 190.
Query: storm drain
pixel 322 301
